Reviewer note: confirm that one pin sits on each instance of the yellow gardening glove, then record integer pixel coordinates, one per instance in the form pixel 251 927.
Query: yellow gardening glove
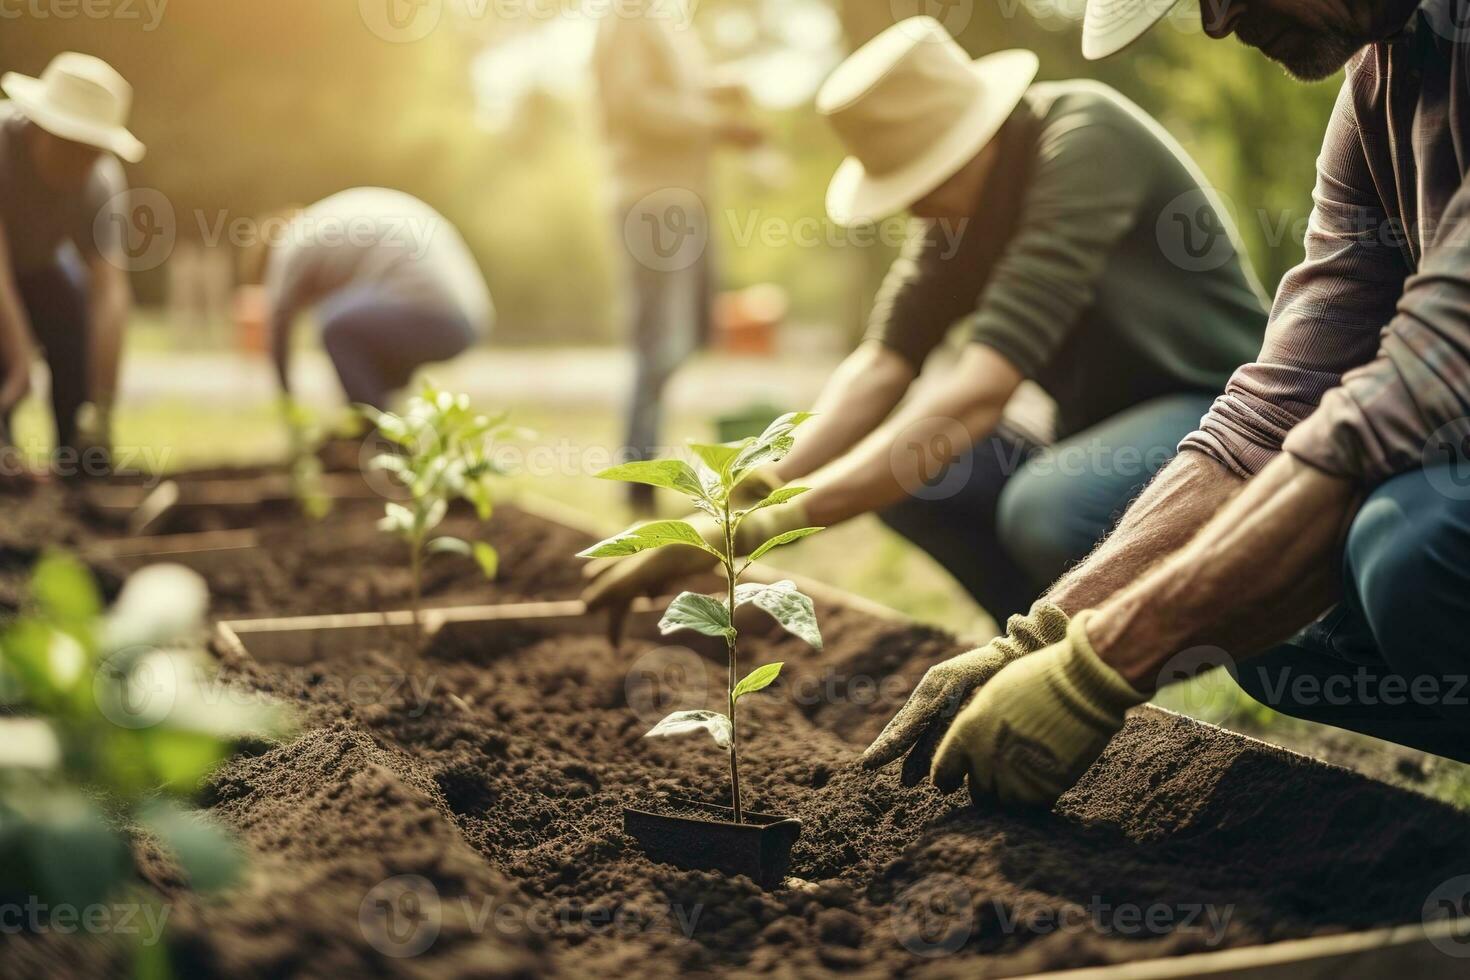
pixel 1036 727
pixel 923 720
pixel 615 582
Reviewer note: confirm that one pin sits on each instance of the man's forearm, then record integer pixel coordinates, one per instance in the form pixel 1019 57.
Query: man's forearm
pixel 1265 566
pixel 1171 509
pixel 918 444
pixel 859 396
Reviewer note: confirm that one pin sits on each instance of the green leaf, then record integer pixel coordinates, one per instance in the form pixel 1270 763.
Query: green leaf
pixel 717 457
pixel 777 497
pixel 64 590
pixel 487 558
pixel 206 851
pixel 684 722
pixel 656 534
pixel 450 546
pixel 181 758
pixel 670 474
pixel 785 538
pixel 396 519
pixel 787 605
pixel 771 447
pixel 701 613
pixel 758 680
pixel 79 859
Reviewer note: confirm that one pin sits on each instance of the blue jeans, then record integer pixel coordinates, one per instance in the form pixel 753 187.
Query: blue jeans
pixel 1392 660
pixel 1009 516
pixel 377 342
pixel 56 301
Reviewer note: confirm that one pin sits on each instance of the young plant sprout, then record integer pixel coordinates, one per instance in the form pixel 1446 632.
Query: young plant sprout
pixel 110 718
pixel 712 482
pixel 304 437
pixel 445 453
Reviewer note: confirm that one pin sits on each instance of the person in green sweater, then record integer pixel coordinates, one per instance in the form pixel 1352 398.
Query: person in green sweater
pixel 1075 245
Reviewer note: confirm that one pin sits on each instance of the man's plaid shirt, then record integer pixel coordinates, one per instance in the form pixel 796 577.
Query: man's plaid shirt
pixel 1368 349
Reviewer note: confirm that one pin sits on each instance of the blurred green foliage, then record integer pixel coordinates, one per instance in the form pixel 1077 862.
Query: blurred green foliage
pixel 249 106
pixel 109 719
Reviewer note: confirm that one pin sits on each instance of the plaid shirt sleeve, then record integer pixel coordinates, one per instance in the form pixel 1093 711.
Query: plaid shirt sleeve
pixel 1380 421
pixel 1328 315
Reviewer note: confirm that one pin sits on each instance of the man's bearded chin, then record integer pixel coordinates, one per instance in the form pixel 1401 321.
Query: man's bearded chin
pixel 1317 57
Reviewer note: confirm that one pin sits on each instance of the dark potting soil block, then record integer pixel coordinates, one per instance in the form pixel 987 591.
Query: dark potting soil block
pixel 705 837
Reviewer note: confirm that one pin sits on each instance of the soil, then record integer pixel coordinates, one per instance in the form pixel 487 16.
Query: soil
pixel 475 794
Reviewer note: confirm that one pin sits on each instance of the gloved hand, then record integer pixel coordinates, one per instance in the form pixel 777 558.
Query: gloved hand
pixel 1031 733
pixel 923 720
pixel 615 582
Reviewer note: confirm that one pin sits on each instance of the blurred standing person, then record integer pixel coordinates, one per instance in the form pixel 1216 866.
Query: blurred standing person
pixel 664 114
pixel 62 279
pixel 393 282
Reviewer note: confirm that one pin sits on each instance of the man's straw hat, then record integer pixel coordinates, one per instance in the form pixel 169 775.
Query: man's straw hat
pixel 78 98
pixel 912 110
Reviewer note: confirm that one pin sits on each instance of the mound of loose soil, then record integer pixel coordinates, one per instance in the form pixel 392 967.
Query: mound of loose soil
pixel 459 814
pixel 1182 839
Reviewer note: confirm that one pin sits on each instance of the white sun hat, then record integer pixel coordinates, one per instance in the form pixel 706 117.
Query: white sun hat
pixel 912 109
pixel 78 98
pixel 1109 26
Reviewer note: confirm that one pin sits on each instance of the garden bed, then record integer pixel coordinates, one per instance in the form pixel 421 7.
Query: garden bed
pixel 474 792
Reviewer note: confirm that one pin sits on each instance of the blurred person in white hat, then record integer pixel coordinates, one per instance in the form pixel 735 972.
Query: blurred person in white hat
pixel 1034 232
pixel 63 279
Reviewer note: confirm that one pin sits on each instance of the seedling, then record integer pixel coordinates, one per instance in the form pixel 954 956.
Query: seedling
pixel 109 720
pixel 712 481
pixel 445 454
pixel 304 436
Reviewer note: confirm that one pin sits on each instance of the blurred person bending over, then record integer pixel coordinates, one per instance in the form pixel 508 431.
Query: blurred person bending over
pixel 1036 212
pixel 63 222
pixel 664 114
pixel 393 284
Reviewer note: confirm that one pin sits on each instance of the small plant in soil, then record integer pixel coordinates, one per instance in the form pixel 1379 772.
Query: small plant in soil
pixel 712 482
pixel 445 453
pixel 304 438
pixel 109 719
